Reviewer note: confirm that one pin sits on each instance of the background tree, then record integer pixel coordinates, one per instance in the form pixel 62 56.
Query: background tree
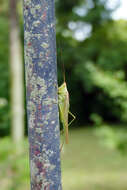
pixel 16 72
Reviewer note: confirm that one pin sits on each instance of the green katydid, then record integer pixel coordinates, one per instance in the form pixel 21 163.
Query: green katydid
pixel 63 102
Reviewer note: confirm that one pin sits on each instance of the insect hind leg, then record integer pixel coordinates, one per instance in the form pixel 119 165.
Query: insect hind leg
pixel 72 119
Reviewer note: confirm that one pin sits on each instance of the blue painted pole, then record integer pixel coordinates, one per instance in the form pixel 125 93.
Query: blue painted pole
pixel 41 88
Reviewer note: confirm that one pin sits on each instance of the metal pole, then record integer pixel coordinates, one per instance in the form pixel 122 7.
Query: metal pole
pixel 41 88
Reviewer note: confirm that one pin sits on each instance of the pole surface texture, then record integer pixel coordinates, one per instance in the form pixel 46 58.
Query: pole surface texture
pixel 41 88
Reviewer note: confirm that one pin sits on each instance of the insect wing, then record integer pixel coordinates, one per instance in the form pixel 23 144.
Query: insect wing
pixel 64 108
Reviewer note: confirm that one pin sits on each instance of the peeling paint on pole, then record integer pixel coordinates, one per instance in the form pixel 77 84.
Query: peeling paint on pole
pixel 41 87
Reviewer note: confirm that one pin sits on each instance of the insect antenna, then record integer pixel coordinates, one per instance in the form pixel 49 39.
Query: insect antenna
pixel 62 61
pixel 63 71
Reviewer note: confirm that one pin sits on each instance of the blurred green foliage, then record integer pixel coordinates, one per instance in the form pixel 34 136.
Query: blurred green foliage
pixel 97 64
pixel 4 76
pixel 14 165
pixel 113 137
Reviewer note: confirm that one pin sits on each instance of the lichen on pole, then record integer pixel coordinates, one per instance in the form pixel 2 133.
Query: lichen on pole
pixel 41 94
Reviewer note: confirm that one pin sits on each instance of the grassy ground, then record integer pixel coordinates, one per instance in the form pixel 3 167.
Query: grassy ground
pixel 86 165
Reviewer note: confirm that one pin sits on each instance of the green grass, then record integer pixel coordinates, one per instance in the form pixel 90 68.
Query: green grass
pixel 14 166
pixel 86 165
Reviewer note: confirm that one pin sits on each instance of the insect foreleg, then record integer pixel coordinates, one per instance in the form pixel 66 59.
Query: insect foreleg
pixel 72 119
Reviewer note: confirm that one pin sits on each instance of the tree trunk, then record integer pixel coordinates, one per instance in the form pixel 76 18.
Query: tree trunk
pixel 42 101
pixel 16 78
